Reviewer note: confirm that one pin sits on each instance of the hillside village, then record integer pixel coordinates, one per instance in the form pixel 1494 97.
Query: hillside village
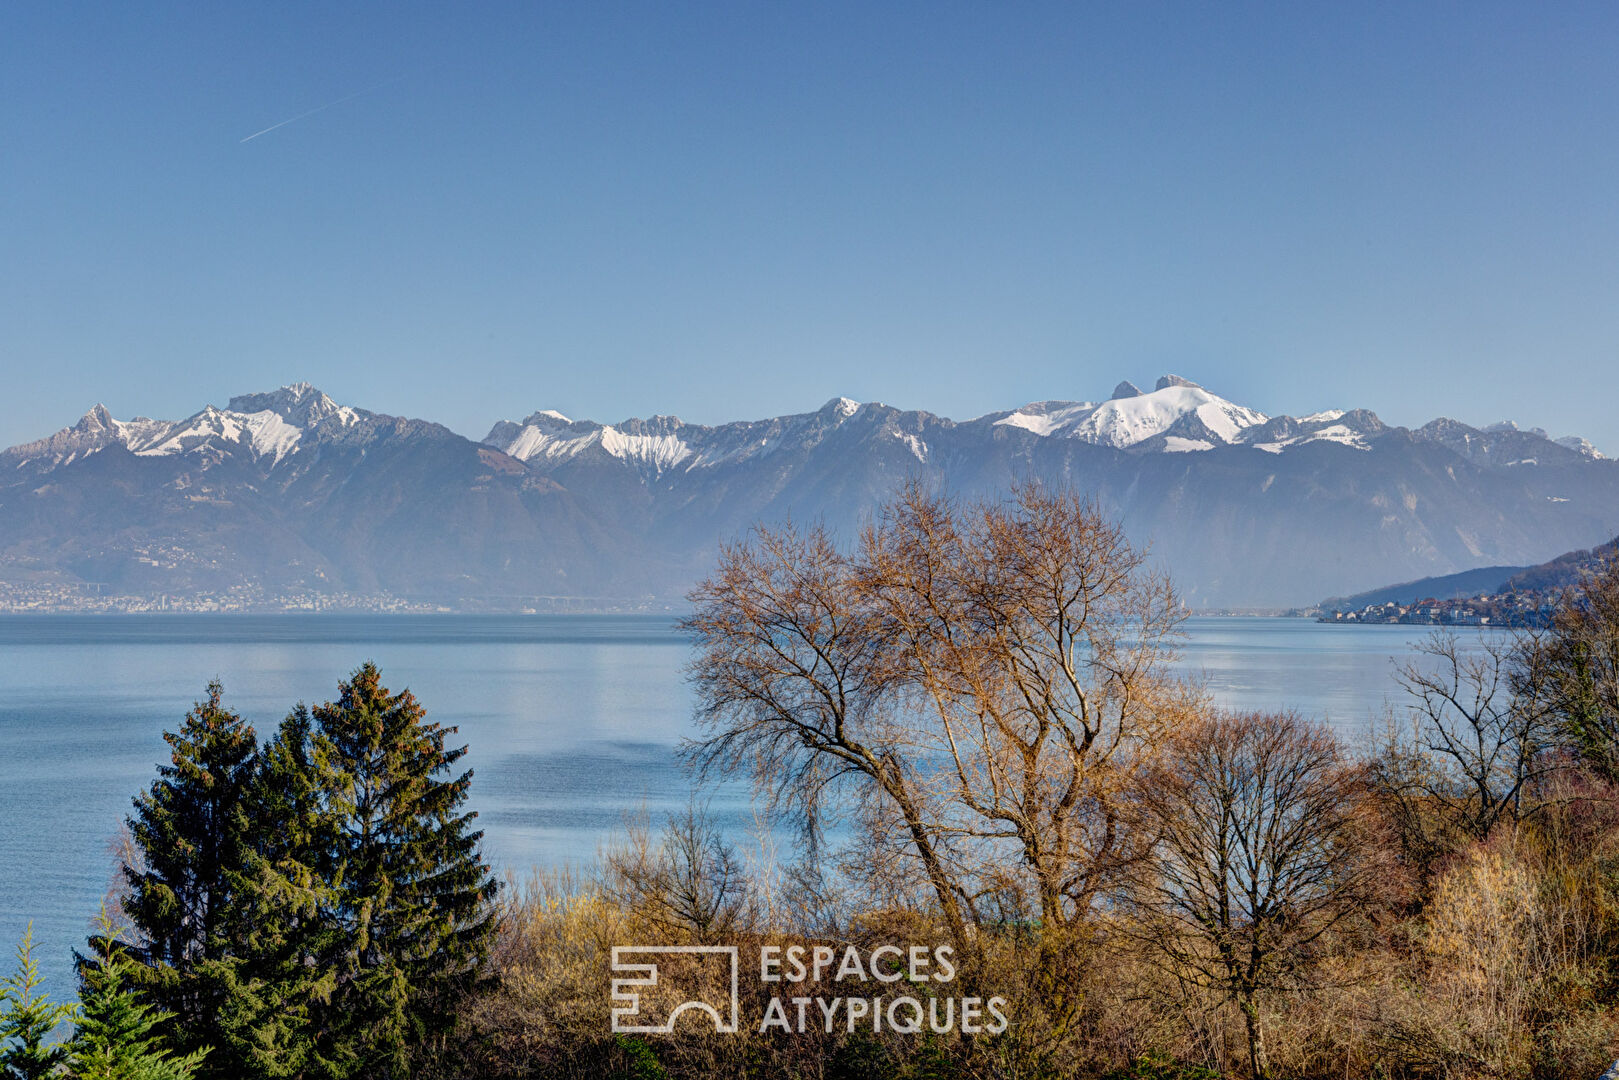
pixel 1512 609
pixel 1527 598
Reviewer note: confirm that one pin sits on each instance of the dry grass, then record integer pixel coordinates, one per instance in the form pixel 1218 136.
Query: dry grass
pixel 1501 969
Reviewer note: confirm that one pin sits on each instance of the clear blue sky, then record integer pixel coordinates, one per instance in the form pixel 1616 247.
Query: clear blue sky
pixel 735 210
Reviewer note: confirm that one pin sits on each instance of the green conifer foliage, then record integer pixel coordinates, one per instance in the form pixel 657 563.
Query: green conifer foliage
pixel 412 894
pixel 27 1019
pixel 194 839
pixel 119 1035
pixel 281 978
pixel 312 908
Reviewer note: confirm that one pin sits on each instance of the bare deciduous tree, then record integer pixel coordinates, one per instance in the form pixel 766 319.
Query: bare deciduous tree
pixel 991 672
pixel 800 688
pixel 1486 734
pixel 687 882
pixel 1035 642
pixel 1261 850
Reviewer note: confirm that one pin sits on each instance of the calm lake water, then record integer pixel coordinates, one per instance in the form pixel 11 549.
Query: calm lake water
pixel 572 722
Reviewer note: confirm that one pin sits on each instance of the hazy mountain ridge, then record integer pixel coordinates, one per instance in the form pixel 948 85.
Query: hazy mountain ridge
pixel 290 491
pixel 1494 595
pixel 1565 570
pixel 1178 416
pixel 1485 581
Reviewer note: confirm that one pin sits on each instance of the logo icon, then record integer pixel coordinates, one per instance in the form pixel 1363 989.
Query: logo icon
pixel 649 997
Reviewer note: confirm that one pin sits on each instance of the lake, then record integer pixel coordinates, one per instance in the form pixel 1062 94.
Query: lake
pixel 572 722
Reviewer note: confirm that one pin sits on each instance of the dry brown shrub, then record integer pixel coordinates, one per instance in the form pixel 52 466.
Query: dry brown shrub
pixel 548 965
pixel 1488 995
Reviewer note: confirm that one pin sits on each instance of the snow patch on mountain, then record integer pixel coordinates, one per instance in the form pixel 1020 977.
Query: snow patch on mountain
pixel 1333 433
pixel 141 431
pixel 272 436
pixel 1174 444
pixel 660 452
pixel 1122 422
pixel 917 446
pixel 266 433
pixel 664 443
pixel 1580 446
pixel 548 435
pixel 1339 433
pixel 1047 418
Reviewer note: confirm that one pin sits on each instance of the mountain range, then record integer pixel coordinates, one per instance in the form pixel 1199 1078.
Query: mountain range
pixel 288 494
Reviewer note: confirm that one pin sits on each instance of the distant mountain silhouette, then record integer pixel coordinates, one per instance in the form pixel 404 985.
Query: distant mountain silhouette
pixel 289 492
pixel 1563 571
pixel 1485 581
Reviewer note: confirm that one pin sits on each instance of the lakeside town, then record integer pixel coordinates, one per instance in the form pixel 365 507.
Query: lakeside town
pixel 1509 609
pixel 253 599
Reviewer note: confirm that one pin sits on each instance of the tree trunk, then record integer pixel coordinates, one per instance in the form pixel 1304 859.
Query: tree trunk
pixel 943 888
pixel 1258 1066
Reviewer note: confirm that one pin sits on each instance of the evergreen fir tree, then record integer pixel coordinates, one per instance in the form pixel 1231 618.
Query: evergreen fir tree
pixel 412 893
pixel 27 1019
pixel 280 982
pixel 119 1035
pixel 194 840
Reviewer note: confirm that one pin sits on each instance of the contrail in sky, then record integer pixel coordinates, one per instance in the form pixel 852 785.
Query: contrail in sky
pixel 322 108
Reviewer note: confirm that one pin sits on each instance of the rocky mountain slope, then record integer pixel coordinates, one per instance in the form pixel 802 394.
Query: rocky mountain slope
pixel 290 493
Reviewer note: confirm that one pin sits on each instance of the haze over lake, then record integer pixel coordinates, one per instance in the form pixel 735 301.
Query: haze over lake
pixel 572 722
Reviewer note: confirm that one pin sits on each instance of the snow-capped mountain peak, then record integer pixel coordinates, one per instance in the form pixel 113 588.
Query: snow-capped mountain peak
pixel 269 426
pixel 664 443
pixel 299 404
pixel 1125 422
pixel 1580 446
pixel 1178 409
pixel 278 492
pixel 548 435
pixel 265 433
pixel 837 410
pixel 98 419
